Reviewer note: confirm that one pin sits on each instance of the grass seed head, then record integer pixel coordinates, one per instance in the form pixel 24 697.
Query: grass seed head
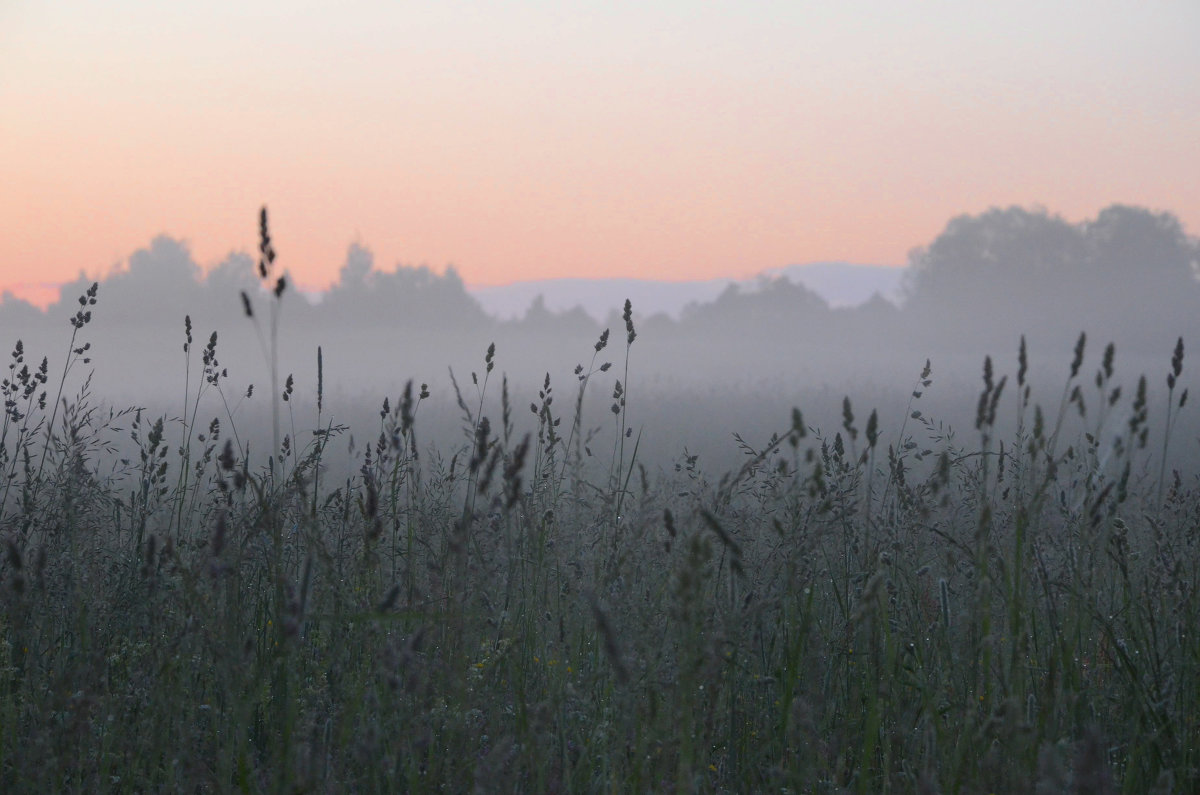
pixel 266 252
pixel 320 379
pixel 1077 361
pixel 848 419
pixel 669 524
pixel 512 473
pixel 1022 362
pixel 479 455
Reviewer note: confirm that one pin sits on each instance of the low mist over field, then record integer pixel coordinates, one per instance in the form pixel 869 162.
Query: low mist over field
pixel 710 359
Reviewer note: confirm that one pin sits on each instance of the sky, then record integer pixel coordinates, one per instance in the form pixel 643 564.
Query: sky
pixel 530 140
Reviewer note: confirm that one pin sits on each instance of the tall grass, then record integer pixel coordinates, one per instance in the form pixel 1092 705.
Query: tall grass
pixel 866 612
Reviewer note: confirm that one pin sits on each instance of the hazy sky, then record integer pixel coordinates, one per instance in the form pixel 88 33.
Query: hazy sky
pixel 535 139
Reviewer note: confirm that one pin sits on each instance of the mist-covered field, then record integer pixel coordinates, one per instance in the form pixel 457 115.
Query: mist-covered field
pixel 641 558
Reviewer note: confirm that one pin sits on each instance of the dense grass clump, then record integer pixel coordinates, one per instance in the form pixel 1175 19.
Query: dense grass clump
pixel 534 611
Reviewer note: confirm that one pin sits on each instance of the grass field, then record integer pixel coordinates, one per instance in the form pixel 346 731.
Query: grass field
pixel 886 606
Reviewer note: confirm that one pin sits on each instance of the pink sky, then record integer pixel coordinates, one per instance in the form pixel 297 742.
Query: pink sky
pixel 652 139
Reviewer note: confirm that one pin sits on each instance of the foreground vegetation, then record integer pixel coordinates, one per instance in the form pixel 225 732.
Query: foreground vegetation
pixel 876 610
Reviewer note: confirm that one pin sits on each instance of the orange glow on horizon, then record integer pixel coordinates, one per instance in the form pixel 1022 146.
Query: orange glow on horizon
pixel 529 144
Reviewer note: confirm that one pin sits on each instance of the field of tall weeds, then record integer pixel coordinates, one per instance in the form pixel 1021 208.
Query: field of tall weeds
pixel 885 606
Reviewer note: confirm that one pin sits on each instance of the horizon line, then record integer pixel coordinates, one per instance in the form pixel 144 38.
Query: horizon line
pixel 43 295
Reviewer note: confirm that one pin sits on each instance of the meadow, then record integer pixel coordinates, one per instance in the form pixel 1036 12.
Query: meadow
pixel 888 605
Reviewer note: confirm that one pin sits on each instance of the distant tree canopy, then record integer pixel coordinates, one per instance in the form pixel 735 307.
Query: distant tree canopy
pixel 159 284
pixel 1018 269
pixel 540 320
pixel 409 296
pixel 1129 274
pixel 776 306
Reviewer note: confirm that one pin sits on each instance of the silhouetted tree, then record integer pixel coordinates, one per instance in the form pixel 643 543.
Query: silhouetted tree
pixel 17 313
pixel 405 298
pixel 988 278
pixel 776 306
pixel 160 285
pixel 574 323
pixel 359 269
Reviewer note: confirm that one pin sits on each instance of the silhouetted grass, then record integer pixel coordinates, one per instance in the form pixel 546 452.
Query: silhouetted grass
pixel 532 611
